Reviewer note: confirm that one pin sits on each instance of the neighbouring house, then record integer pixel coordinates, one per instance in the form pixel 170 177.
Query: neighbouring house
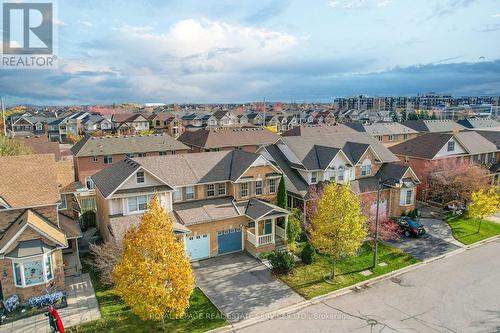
pixel 92 154
pixel 167 122
pixel 219 202
pixel 40 145
pixel 388 134
pixel 317 129
pixel 353 158
pixel 29 125
pixel 480 124
pixel 428 150
pixel 216 139
pixel 433 126
pixel 98 124
pixel 130 123
pixel 38 225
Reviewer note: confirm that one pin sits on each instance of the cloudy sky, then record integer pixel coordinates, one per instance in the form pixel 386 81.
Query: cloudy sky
pixel 282 50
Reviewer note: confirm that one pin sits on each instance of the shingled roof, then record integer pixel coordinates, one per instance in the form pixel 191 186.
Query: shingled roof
pixel 228 137
pixel 433 126
pixel 314 130
pixel 128 144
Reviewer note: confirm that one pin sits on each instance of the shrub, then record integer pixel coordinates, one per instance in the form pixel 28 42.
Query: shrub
pixel 282 262
pixel 307 255
pixel 294 231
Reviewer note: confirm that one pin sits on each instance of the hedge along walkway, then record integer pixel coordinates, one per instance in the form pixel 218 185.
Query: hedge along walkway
pixel 308 280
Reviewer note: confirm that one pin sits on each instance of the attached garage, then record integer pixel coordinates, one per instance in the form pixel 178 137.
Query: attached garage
pixel 198 246
pixel 229 240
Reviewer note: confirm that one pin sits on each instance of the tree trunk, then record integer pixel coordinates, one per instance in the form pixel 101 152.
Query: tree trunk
pixel 479 225
pixel 163 323
pixel 332 275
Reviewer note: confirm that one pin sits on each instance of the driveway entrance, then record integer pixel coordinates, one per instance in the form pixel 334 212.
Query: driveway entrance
pixel 241 286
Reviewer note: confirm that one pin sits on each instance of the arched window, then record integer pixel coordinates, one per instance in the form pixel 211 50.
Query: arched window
pixel 366 168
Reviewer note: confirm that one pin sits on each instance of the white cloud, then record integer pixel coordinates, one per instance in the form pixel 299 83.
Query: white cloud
pixel 496 15
pixel 60 22
pixel 87 24
pixel 384 3
pixel 357 4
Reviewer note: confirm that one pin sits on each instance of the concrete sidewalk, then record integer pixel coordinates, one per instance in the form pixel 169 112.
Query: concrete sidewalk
pixel 82 307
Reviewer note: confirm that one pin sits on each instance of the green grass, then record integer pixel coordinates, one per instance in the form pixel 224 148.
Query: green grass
pixel 308 280
pixel 201 316
pixel 465 229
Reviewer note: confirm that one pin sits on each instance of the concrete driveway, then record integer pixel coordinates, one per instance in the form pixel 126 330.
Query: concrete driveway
pixel 241 286
pixel 437 241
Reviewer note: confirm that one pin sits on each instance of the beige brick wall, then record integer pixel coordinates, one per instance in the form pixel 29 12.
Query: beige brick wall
pixel 375 165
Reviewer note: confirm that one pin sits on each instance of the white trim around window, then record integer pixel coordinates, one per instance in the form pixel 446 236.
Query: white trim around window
pixel 33 271
pixel 407 197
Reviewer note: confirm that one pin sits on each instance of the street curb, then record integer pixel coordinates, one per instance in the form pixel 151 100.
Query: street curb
pixel 344 291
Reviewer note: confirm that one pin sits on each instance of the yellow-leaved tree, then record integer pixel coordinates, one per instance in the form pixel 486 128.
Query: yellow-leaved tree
pixel 338 227
pixel 154 277
pixel 484 203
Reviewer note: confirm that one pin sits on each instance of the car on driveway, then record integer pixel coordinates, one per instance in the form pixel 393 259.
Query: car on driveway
pixel 408 226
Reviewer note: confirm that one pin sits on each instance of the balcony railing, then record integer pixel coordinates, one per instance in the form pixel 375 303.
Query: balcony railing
pixel 280 232
pixel 260 240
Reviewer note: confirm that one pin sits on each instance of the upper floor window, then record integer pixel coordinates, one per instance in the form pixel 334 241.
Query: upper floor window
pixel 406 197
pixel 244 190
pixel 210 189
pixel 451 145
pixel 380 138
pixel 391 137
pixel 340 174
pixel 140 177
pixel 272 185
pixel 405 136
pixel 141 154
pixel 333 174
pixel 63 205
pixel 138 203
pixel 366 168
pixel 108 159
pixel 222 188
pixel 178 195
pixel 314 177
pixel 94 159
pixel 190 193
pixel 89 182
pixel 162 153
pixel 130 155
pixel 258 187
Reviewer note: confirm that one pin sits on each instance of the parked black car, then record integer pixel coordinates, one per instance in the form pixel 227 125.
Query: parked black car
pixel 408 226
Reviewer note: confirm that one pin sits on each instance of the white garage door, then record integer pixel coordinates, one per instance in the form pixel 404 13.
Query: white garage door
pixel 198 247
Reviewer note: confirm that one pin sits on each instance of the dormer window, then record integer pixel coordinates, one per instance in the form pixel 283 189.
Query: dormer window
pixel 140 177
pixel 63 205
pixel 451 145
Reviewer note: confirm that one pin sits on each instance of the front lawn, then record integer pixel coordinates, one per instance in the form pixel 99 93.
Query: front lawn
pixel 308 280
pixel 201 316
pixel 465 229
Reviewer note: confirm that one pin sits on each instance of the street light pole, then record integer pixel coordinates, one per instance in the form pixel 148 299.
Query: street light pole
pixel 375 254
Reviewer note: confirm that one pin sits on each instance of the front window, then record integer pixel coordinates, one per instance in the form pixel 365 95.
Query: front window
pixel 141 154
pixel 178 195
pixel 272 185
pixel 333 175
pixel 33 271
pixel 366 168
pixel 244 190
pixel 406 197
pixel 89 182
pixel 138 204
pixel 451 145
pixel 190 193
pixel 140 177
pixel 162 153
pixel 340 176
pixel 108 159
pixel 222 189
pixel 210 188
pixel 314 177
pixel 391 138
pixel 258 187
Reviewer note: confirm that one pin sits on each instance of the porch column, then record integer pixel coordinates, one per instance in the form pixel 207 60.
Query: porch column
pixel 256 233
pixel 286 228
pixel 273 229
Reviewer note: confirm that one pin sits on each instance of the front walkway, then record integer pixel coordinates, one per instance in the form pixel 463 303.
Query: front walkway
pixel 82 307
pixel 242 287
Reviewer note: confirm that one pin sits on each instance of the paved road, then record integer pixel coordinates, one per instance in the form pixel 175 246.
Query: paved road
pixel 242 287
pixel 457 294
pixel 437 241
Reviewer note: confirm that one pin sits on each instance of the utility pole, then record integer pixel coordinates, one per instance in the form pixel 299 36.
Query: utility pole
pixel 3 119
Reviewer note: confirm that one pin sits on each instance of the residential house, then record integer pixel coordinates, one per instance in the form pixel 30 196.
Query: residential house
pixel 92 154
pixel 388 134
pixel 480 123
pixel 38 229
pixel 219 202
pixel 248 139
pixel 167 122
pixel 60 129
pixel 426 153
pixel 130 123
pixel 433 126
pixel 29 125
pixel 97 123
pixel 356 159
pixel 255 118
pixel 317 129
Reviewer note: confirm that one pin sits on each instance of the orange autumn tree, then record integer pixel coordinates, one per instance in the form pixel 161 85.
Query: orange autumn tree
pixel 154 277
